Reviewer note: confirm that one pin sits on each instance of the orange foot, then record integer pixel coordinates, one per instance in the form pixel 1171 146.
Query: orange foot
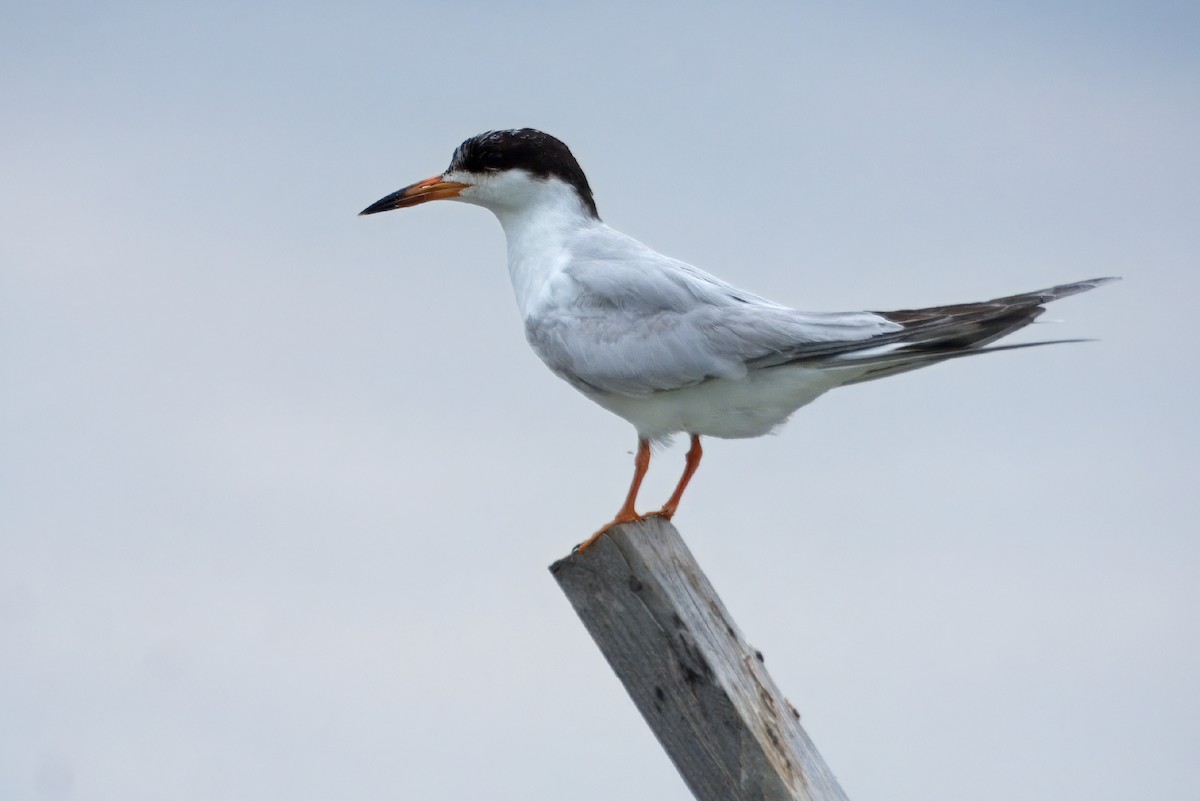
pixel 621 518
pixel 641 463
pixel 693 461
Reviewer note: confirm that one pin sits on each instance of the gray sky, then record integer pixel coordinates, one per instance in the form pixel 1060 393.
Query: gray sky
pixel 280 485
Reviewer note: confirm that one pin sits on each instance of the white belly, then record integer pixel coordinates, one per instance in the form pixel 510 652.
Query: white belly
pixel 748 407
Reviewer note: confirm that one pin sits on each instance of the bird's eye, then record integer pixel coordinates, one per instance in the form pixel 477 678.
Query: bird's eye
pixel 493 161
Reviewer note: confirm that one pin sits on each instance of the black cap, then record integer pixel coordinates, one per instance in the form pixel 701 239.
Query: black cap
pixel 538 153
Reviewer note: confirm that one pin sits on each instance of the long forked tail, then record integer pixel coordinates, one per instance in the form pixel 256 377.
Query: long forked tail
pixel 947 332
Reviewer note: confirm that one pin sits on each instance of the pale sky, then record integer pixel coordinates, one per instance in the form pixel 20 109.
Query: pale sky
pixel 280 484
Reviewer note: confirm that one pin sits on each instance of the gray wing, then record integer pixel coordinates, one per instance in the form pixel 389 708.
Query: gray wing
pixel 631 353
pixel 633 322
pixel 639 322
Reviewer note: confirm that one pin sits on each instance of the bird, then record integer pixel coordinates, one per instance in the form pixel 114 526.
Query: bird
pixel 665 345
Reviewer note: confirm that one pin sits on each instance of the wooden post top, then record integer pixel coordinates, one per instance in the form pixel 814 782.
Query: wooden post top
pixel 704 692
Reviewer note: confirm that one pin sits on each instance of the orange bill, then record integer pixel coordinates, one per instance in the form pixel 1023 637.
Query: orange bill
pixel 435 188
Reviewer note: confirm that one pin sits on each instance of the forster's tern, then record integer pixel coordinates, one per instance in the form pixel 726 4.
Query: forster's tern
pixel 669 347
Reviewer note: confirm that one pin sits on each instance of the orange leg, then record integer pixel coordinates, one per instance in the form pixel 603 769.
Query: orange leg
pixel 693 461
pixel 628 514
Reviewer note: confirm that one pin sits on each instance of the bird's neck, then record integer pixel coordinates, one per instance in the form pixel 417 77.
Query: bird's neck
pixel 539 238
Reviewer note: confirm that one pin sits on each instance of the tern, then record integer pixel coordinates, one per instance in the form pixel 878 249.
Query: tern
pixel 664 345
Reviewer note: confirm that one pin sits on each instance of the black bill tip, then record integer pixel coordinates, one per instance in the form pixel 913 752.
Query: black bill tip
pixel 392 201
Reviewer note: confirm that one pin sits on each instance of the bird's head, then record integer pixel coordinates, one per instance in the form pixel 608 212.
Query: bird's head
pixel 502 171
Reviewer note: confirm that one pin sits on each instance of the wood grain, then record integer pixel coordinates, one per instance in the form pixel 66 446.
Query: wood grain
pixel 704 692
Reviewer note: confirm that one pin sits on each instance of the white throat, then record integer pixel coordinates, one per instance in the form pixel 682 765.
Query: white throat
pixel 539 232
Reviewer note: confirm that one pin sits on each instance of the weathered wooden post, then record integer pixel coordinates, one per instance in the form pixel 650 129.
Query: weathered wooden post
pixel 705 693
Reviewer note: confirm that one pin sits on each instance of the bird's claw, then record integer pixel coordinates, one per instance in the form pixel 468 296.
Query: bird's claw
pixel 631 517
